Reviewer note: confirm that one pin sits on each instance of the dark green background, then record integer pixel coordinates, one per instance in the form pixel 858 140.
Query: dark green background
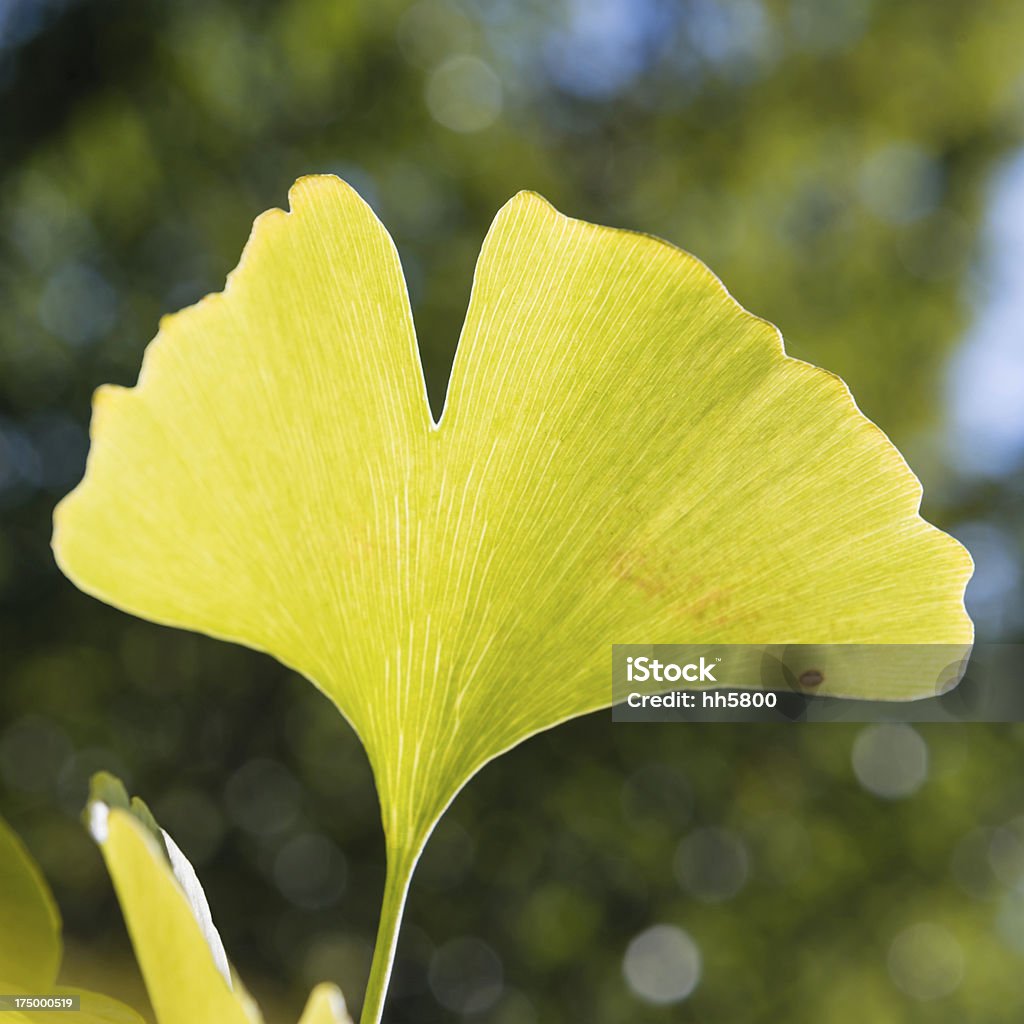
pixel 830 161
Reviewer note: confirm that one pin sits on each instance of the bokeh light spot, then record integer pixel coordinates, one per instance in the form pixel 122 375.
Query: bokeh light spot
pixel 900 183
pixel 712 864
pixel 890 760
pixel 466 976
pixel 464 94
pixel 662 965
pixel 78 305
pixel 310 871
pixel 926 962
pixel 262 797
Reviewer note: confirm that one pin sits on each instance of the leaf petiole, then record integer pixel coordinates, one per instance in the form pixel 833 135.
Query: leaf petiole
pixel 396 888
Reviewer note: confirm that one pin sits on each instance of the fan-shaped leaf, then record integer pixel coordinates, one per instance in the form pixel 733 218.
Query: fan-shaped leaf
pixel 625 455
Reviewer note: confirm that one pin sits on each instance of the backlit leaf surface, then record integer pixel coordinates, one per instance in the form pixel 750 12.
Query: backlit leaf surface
pixel 183 971
pixel 625 455
pixel 179 949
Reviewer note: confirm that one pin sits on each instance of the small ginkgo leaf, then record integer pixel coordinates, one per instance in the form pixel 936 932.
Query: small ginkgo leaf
pixel 178 947
pixel 30 943
pixel 179 952
pixel 625 455
pixel 326 1006
pixel 107 791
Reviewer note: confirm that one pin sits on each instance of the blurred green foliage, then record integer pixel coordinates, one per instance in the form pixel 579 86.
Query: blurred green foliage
pixel 830 163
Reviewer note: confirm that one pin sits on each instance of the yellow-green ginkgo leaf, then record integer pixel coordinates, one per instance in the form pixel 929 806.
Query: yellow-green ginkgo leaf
pixel 30 943
pixel 31 948
pixel 326 1006
pixel 625 455
pixel 177 946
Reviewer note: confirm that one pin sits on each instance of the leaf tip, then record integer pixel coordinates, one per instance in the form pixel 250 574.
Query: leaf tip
pixel 98 821
pixel 108 789
pixel 527 199
pixel 326 1005
pixel 312 187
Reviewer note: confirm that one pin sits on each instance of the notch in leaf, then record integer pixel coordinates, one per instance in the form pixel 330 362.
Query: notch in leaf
pixel 625 455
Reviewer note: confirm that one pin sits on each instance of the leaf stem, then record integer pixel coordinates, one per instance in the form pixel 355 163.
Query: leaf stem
pixel 396 888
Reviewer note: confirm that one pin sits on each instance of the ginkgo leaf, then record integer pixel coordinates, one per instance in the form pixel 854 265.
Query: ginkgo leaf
pixel 106 792
pixel 326 1006
pixel 182 960
pixel 625 455
pixel 31 948
pixel 178 947
pixel 30 943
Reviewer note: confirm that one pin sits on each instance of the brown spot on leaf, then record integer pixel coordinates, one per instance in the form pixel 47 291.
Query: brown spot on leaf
pixel 811 678
pixel 632 567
